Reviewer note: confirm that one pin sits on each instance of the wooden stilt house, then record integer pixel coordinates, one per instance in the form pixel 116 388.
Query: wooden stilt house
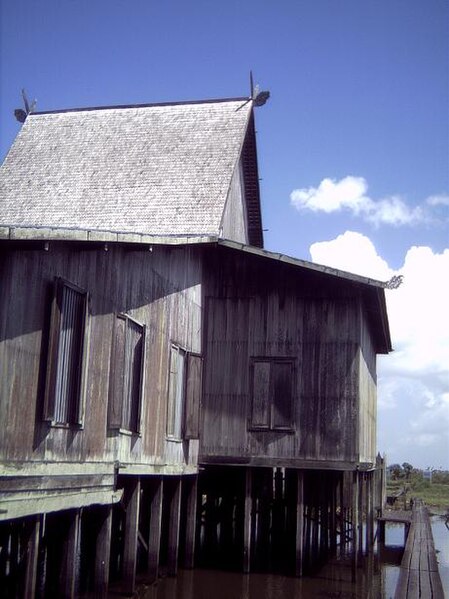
pixel 145 334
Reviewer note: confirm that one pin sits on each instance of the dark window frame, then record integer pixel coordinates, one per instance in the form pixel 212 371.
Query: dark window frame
pixel 269 409
pixel 65 384
pixel 125 400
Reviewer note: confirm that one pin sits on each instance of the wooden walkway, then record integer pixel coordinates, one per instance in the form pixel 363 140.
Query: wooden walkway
pixel 419 576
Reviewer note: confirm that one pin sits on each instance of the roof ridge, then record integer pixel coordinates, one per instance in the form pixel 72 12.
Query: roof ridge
pixel 149 105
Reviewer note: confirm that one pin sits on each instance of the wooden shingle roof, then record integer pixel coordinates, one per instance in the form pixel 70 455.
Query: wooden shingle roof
pixel 155 169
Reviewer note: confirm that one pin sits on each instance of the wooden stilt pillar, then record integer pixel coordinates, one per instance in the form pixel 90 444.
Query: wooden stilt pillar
pixel 70 564
pixel 154 540
pixel 315 528
pixel 355 524
pixel 278 520
pixel 32 543
pixel 306 557
pixel 132 503
pixel 332 533
pixel 247 523
pixel 299 523
pixel 361 507
pixel 324 516
pixel 103 553
pixel 369 513
pixel 14 550
pixel 173 529
pixel 342 514
pixel 192 490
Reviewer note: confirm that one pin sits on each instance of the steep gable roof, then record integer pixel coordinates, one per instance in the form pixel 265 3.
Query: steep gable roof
pixel 155 169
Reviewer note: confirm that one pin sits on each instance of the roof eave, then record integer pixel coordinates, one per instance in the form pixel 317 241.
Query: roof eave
pixel 32 233
pixel 301 263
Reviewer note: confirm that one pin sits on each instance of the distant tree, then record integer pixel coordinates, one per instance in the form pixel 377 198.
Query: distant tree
pixel 408 468
pixel 396 471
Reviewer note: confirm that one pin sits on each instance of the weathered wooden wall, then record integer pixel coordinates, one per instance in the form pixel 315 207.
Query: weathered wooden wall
pixel 367 395
pixel 257 308
pixel 234 224
pixel 160 288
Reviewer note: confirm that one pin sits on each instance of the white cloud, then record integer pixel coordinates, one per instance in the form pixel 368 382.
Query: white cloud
pixel 350 193
pixel 438 200
pixel 332 196
pixel 418 313
pixel 353 252
pixel 413 389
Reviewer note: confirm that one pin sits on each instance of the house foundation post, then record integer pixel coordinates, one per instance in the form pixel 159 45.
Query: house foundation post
pixel 300 524
pixel 32 551
pixel 173 529
pixel 132 504
pixel 103 553
pixel 192 492
pixel 361 485
pixel 154 538
pixel 370 513
pixel 71 550
pixel 247 522
pixel 355 523
pixel 342 514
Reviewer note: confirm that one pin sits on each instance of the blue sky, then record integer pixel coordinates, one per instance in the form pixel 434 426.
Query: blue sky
pixel 354 139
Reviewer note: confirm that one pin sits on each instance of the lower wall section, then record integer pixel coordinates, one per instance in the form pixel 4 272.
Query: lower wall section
pixel 87 550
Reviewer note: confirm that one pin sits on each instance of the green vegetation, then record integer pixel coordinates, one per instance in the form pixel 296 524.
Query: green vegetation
pixel 434 493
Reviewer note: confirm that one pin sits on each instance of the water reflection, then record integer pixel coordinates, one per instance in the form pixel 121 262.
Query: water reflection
pixel 441 540
pixel 376 579
pixel 333 581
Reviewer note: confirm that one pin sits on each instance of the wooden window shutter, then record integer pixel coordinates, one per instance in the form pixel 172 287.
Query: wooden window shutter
pixel 193 396
pixel 117 374
pixel 52 357
pixel 172 386
pixel 180 393
pixel 141 393
pixel 260 414
pixel 176 392
pixel 80 404
pixel 126 374
pixel 281 391
pixel 66 361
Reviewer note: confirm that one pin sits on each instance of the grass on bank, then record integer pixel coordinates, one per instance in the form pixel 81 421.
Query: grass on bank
pixel 435 494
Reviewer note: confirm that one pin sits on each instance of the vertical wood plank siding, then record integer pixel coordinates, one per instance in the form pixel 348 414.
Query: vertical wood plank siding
pixel 161 289
pixel 234 222
pixel 257 309
pixel 367 395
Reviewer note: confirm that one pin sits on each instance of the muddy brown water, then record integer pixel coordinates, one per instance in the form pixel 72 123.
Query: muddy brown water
pixel 376 578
